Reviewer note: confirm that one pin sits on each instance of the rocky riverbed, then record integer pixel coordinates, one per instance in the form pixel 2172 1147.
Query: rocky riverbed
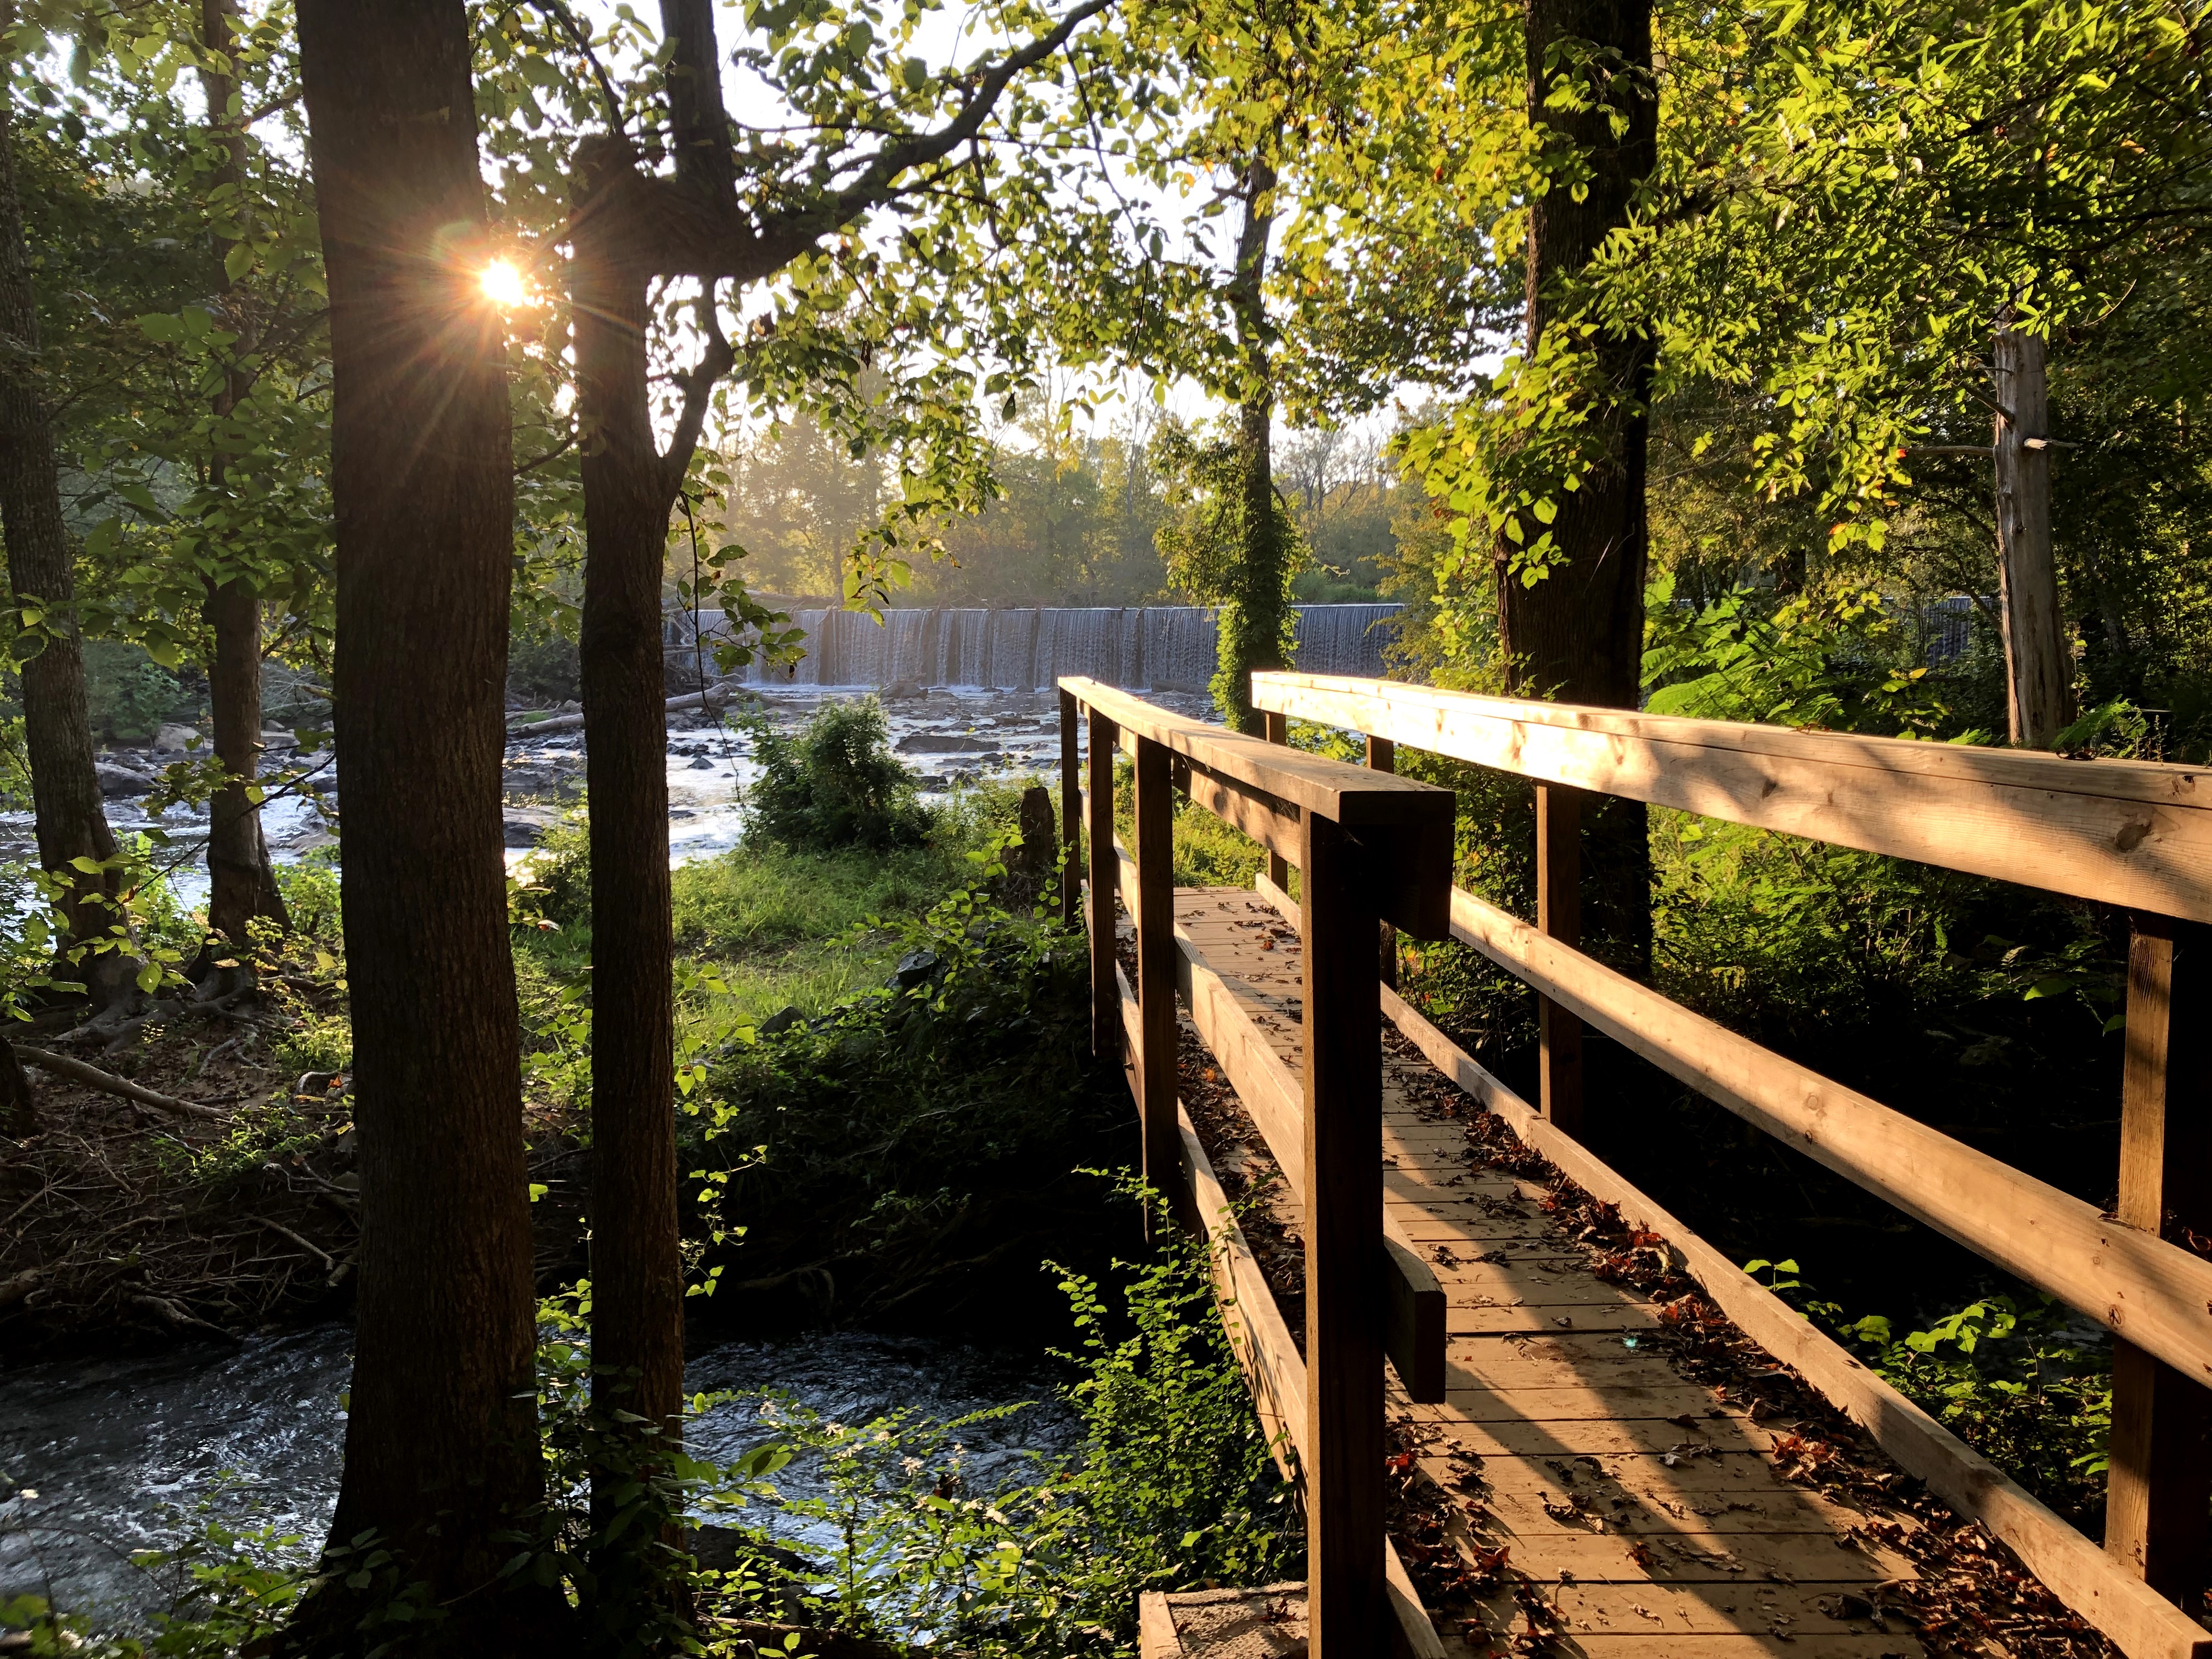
pixel 948 737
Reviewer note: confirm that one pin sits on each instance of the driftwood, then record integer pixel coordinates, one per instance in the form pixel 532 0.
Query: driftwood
pixel 92 1077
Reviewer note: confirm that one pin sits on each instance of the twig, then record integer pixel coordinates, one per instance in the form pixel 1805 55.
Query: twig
pixel 92 1077
pixel 319 1254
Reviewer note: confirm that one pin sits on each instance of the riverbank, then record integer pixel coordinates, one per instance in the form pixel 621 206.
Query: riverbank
pixel 125 1225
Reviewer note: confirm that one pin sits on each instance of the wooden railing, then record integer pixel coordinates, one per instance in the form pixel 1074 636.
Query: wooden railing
pixel 1374 850
pixel 2129 834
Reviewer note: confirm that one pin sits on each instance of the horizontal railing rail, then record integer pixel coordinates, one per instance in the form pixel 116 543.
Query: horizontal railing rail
pixel 2132 834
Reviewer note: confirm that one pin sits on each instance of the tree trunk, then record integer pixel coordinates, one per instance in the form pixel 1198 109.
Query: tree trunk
pixel 1577 634
pixel 2038 677
pixel 1255 615
pixel 637 1293
pixel 242 885
pixel 57 726
pixel 442 1454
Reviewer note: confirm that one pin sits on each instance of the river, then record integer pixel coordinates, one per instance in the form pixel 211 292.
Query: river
pixel 99 1459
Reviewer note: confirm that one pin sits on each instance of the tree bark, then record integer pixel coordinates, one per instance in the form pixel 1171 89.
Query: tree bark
pixel 1577 634
pixel 1252 617
pixel 629 488
pixel 441 1441
pixel 2038 678
pixel 637 1307
pixel 19 1112
pixel 242 884
pixel 72 824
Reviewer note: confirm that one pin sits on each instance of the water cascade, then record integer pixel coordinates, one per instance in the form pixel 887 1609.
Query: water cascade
pixel 1157 647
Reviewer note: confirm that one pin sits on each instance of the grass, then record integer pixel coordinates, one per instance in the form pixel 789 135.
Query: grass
pixel 765 928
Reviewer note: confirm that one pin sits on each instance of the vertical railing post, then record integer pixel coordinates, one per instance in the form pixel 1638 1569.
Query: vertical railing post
pixel 1155 966
pixel 1382 756
pixel 1105 878
pixel 1070 811
pixel 1343 1444
pixel 1276 728
pixel 1559 916
pixel 2160 1471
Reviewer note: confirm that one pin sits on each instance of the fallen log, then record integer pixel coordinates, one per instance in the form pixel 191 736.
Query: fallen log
pixel 92 1077
pixel 575 722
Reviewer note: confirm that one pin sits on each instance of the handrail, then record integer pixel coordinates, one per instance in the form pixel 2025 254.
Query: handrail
pixel 2133 833
pixel 2127 833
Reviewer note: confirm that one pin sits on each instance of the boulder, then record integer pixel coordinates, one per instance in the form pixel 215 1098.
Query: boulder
pixel 272 741
pixel 525 826
pixel 175 739
pixel 120 779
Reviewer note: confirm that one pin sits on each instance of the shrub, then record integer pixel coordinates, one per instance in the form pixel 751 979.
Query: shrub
pixel 926 1135
pixel 320 1043
pixel 836 784
pixel 1173 1489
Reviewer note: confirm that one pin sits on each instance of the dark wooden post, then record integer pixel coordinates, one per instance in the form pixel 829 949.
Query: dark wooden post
pixel 1382 756
pixel 1105 878
pixel 1343 1019
pixel 2161 1477
pixel 1276 728
pixel 1071 812
pixel 1156 966
pixel 1559 916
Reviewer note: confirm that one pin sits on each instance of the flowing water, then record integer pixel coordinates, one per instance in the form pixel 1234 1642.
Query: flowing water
pixel 100 1459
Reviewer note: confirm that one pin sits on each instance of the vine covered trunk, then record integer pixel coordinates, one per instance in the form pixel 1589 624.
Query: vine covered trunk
pixel 1577 634
pixel 442 1458
pixel 72 822
pixel 242 885
pixel 1255 625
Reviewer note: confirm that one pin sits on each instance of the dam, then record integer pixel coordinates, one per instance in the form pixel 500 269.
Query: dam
pixel 1137 647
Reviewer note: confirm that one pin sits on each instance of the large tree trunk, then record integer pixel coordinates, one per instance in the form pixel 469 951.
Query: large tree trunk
pixel 56 727
pixel 242 885
pixel 637 1294
pixel 442 1454
pixel 1577 634
pixel 629 488
pixel 1252 617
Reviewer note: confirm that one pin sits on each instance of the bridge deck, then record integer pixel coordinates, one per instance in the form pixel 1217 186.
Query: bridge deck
pixel 1643 1508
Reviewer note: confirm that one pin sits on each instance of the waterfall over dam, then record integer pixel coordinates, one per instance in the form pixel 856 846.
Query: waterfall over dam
pixel 1139 647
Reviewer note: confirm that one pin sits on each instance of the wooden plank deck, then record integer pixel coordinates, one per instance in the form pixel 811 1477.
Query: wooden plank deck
pixel 1641 1508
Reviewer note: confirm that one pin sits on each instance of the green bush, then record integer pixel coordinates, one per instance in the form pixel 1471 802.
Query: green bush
pixel 920 1136
pixel 310 888
pixel 319 1043
pixel 2027 1383
pixel 1173 1489
pixel 556 880
pixel 545 669
pixel 836 784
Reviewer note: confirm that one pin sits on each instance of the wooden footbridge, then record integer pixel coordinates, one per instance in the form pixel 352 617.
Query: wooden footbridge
pixel 1593 1496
